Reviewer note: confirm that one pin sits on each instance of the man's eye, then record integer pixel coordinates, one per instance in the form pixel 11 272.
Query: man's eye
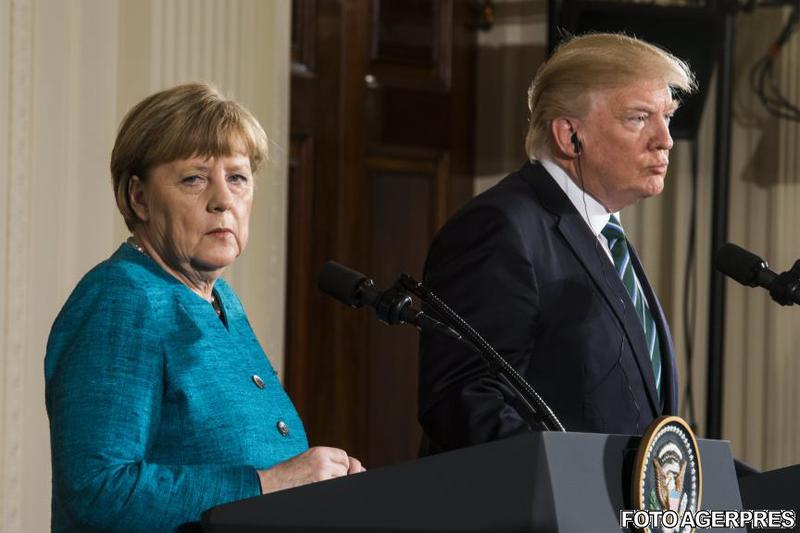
pixel 667 118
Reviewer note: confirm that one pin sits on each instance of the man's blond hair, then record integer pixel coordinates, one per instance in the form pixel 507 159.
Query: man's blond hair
pixel 564 83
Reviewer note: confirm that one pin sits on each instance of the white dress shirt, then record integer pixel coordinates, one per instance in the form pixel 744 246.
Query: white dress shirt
pixel 592 212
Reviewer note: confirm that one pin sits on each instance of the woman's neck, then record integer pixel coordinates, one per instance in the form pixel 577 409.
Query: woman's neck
pixel 201 283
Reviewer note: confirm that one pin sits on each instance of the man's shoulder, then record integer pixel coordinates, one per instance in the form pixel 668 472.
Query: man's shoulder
pixel 510 211
pixel 516 182
pixel 515 196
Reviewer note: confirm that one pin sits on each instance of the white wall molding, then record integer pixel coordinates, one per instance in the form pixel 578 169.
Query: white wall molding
pixel 74 67
pixel 16 255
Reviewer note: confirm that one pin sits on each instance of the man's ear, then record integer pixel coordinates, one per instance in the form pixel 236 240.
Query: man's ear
pixel 137 198
pixel 565 136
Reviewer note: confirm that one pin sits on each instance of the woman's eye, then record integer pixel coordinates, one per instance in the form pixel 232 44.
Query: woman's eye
pixel 238 178
pixel 192 180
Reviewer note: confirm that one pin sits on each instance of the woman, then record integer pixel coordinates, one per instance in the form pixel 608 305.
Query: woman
pixel 161 401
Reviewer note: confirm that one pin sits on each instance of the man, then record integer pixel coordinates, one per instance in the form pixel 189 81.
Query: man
pixel 540 266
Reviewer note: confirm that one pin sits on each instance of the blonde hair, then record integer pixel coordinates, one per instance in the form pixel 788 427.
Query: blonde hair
pixel 178 123
pixel 564 83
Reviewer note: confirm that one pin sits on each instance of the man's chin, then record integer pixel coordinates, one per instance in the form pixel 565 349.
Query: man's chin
pixel 654 187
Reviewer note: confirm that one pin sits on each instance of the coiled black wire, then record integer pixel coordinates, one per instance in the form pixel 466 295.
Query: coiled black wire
pixel 763 80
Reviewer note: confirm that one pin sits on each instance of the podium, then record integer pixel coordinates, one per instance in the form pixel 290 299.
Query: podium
pixel 776 489
pixel 546 481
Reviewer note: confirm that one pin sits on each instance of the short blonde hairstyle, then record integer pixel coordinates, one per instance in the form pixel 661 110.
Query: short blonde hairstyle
pixel 179 123
pixel 564 83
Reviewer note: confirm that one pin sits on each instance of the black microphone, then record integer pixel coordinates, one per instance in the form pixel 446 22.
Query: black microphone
pixel 743 266
pixel 392 306
pixel 750 270
pixel 348 286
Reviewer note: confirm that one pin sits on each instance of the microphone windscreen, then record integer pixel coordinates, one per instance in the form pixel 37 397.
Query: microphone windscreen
pixel 340 282
pixel 739 264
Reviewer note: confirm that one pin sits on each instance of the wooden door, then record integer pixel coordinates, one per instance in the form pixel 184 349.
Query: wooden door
pixel 381 155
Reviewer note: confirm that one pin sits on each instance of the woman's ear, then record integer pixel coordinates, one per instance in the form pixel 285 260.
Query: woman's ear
pixel 137 198
pixel 565 138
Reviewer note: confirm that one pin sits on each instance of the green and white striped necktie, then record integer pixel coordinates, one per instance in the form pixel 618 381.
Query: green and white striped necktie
pixel 618 245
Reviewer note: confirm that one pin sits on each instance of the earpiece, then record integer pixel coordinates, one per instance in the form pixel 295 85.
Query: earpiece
pixel 576 143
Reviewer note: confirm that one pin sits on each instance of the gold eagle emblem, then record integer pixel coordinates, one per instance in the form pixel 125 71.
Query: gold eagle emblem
pixel 669 482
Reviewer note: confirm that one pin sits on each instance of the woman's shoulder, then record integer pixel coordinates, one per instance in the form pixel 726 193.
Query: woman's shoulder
pixel 109 302
pixel 129 267
pixel 125 271
pixel 124 281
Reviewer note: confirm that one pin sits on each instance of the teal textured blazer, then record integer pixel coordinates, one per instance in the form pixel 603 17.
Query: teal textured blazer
pixel 158 410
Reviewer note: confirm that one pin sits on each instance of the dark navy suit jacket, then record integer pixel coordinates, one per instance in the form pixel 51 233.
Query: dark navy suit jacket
pixel 520 264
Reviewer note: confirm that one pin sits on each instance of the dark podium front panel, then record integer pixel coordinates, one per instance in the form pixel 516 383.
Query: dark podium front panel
pixel 534 482
pixel 776 489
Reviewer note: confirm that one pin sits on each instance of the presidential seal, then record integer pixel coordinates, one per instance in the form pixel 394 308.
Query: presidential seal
pixel 667 476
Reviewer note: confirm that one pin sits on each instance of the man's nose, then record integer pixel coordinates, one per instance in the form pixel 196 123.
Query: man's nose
pixel 662 140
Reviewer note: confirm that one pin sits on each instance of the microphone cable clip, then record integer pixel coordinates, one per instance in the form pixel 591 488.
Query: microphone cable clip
pixel 785 288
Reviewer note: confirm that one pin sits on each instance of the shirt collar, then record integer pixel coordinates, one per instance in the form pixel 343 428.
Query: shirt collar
pixel 592 212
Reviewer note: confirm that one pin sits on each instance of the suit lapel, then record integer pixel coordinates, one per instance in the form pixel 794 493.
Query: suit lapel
pixel 592 256
pixel 669 380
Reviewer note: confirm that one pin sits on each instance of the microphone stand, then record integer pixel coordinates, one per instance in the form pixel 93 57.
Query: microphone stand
pixel 529 403
pixel 785 287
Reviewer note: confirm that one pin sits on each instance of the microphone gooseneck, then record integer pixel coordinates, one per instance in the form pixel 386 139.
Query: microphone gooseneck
pixel 395 306
pixel 392 306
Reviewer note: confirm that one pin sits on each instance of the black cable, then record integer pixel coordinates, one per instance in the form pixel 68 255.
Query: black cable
pixel 763 80
pixel 690 294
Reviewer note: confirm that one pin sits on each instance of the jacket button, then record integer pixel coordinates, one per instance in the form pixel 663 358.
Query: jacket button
pixel 283 429
pixel 258 381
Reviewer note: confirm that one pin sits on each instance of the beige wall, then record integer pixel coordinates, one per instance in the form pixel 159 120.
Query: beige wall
pixel 508 55
pixel 763 346
pixel 73 68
